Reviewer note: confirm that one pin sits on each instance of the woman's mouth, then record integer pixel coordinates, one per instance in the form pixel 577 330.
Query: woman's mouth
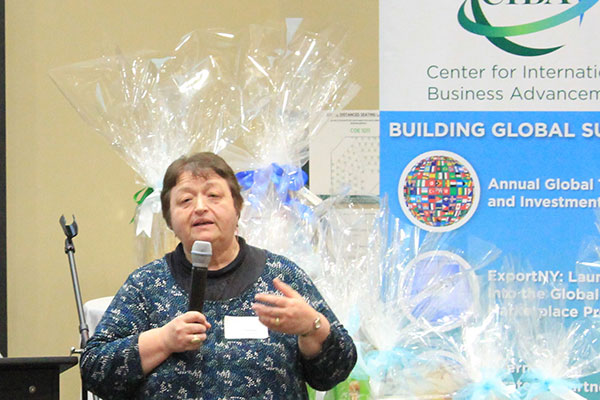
pixel 202 223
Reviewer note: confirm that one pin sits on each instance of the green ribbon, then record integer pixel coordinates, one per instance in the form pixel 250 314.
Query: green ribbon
pixel 497 34
pixel 482 27
pixel 140 199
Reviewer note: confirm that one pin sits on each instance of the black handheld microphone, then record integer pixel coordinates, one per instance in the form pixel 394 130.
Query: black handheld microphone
pixel 201 254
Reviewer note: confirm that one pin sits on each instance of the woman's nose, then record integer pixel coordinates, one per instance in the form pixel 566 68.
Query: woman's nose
pixel 200 204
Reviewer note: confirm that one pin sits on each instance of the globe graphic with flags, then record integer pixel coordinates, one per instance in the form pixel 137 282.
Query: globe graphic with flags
pixel 439 192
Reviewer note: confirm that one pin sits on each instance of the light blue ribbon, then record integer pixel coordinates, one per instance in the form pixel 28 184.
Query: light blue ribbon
pixel 285 179
pixel 537 383
pixel 378 363
pixel 495 386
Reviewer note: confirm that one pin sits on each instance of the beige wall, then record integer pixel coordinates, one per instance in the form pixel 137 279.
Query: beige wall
pixel 57 165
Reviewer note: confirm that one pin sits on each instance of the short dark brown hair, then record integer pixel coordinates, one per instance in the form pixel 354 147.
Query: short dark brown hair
pixel 198 164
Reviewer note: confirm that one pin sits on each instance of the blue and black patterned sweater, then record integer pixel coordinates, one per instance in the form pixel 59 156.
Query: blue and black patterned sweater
pixel 271 368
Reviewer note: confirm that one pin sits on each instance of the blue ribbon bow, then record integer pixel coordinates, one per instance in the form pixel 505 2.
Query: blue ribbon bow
pixel 495 386
pixel 537 383
pixel 378 363
pixel 285 179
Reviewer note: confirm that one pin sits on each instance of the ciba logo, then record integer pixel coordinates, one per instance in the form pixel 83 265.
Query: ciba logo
pixel 498 34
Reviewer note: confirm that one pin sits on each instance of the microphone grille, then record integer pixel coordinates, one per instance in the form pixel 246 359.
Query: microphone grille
pixel 202 247
pixel 201 254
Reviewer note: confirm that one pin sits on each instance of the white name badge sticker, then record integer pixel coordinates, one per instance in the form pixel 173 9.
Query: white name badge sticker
pixel 244 328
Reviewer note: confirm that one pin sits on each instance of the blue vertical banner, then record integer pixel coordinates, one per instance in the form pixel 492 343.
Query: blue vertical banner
pixel 490 126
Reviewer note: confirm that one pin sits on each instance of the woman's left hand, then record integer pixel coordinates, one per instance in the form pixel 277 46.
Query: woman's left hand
pixel 288 313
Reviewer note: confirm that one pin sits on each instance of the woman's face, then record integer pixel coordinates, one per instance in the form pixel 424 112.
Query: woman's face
pixel 202 208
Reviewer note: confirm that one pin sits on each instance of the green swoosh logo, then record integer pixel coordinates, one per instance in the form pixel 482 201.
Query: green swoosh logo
pixel 497 34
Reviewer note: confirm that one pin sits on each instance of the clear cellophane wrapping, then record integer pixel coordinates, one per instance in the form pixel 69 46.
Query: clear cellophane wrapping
pixel 553 349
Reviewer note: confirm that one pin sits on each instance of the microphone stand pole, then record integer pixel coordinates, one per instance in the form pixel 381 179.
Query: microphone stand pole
pixel 84 332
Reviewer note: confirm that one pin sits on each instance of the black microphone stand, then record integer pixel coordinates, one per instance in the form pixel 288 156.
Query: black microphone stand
pixel 70 232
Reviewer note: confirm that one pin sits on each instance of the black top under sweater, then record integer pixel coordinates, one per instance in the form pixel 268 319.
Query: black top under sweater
pixel 227 282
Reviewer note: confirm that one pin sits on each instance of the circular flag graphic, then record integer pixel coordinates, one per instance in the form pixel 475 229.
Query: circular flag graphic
pixel 438 191
pixel 444 288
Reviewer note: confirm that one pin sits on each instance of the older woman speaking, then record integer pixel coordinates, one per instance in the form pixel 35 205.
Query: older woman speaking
pixel 265 331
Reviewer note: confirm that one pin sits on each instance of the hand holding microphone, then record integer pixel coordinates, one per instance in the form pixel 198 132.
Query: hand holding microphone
pixel 184 333
pixel 187 331
pixel 201 254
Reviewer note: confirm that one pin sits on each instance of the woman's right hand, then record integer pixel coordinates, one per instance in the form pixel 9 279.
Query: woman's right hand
pixel 185 332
